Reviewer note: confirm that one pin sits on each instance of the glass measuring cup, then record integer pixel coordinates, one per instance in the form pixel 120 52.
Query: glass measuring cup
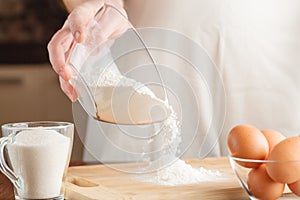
pixel 35 156
pixel 117 80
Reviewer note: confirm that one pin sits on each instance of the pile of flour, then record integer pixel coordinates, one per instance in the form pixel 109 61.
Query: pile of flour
pixel 169 137
pixel 180 173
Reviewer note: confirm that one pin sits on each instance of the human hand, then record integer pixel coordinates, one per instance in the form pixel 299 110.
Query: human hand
pixel 75 29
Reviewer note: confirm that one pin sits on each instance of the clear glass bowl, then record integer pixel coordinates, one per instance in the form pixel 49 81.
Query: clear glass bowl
pixel 257 182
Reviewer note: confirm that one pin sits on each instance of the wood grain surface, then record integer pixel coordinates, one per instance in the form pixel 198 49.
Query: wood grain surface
pixel 102 182
pixel 6 188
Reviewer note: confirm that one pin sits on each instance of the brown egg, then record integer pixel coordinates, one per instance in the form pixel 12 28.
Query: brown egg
pixel 286 150
pixel 248 142
pixel 295 187
pixel 273 137
pixel 262 186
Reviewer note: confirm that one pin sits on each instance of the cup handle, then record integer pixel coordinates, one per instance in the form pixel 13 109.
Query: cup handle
pixel 16 180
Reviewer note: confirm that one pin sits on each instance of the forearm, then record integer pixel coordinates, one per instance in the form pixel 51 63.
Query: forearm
pixel 71 4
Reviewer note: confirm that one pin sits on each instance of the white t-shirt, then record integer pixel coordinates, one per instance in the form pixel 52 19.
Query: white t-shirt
pixel 255 46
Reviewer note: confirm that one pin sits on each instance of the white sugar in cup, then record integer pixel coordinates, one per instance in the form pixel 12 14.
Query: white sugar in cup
pixel 38 156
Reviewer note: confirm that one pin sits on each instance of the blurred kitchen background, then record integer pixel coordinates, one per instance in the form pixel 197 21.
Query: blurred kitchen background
pixel 29 87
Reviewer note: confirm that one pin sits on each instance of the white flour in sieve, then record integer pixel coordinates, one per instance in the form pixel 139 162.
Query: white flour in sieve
pixel 122 100
pixel 179 172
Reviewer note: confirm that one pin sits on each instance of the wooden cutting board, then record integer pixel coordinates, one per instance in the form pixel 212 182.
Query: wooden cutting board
pixel 102 182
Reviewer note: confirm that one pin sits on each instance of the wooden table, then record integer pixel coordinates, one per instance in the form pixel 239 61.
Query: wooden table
pixel 103 182
pixel 6 188
pixel 116 183
pixel 107 176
